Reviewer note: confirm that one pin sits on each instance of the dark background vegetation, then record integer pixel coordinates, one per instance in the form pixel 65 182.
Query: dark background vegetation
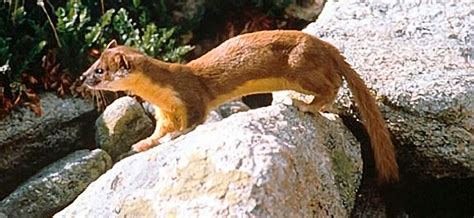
pixel 45 45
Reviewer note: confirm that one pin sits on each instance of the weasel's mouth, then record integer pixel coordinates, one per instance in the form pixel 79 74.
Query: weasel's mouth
pixel 91 87
pixel 97 85
pixel 106 86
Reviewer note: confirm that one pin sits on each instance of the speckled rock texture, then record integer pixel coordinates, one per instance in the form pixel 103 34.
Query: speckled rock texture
pixel 269 162
pixel 29 143
pixel 232 107
pixel 57 185
pixel 123 123
pixel 186 9
pixel 307 10
pixel 418 57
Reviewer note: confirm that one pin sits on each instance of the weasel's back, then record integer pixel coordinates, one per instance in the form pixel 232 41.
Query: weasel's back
pixel 273 48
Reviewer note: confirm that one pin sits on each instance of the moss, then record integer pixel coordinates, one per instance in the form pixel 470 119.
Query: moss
pixel 344 170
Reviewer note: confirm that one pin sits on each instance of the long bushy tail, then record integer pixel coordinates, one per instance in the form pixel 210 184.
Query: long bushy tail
pixel 384 152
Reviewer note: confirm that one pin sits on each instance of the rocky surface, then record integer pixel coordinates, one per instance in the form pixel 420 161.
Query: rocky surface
pixel 307 10
pixel 273 161
pixel 29 142
pixel 213 116
pixel 123 123
pixel 418 58
pixel 186 9
pixel 126 121
pixel 57 185
pixel 232 107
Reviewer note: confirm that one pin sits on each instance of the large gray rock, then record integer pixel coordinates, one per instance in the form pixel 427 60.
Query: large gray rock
pixel 269 162
pixel 123 123
pixel 28 142
pixel 57 185
pixel 418 58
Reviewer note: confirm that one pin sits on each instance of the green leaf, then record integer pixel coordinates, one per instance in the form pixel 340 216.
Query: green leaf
pixel 83 18
pixel 106 19
pixel 93 35
pixel 136 3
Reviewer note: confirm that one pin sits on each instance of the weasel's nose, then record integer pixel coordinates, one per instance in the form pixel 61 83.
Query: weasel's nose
pixel 86 75
pixel 87 79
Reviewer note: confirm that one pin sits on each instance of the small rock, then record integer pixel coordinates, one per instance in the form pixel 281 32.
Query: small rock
pixel 55 186
pixel 232 107
pixel 187 10
pixel 307 10
pixel 123 123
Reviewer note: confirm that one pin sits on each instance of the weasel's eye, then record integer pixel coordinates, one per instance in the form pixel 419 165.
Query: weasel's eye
pixel 98 71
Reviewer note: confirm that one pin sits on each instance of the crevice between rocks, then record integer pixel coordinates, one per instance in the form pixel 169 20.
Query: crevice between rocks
pixel 413 196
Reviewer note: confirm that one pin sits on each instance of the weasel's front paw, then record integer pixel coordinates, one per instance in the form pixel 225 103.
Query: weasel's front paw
pixel 144 145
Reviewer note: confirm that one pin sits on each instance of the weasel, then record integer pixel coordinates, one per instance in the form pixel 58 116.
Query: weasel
pixel 251 63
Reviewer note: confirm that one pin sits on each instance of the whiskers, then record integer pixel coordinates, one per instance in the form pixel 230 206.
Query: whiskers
pixel 103 98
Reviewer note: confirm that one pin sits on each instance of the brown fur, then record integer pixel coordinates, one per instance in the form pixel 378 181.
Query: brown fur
pixel 247 64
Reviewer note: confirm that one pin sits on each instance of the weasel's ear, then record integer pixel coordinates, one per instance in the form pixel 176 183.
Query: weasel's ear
pixel 122 61
pixel 112 44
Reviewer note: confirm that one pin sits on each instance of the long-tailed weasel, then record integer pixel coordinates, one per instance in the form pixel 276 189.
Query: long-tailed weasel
pixel 251 63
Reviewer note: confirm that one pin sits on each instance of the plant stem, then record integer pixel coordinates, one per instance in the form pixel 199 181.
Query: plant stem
pixel 41 4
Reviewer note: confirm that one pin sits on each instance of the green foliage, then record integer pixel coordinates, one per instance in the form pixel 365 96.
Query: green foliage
pixel 74 25
pixel 5 52
pixel 154 41
pixel 80 27
pixel 29 30
pixel 161 42
pixel 95 34
pixel 21 44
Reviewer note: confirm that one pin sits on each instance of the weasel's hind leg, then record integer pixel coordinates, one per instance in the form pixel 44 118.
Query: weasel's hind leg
pixel 320 103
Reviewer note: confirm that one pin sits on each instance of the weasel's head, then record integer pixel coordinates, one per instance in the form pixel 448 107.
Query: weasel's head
pixel 112 71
